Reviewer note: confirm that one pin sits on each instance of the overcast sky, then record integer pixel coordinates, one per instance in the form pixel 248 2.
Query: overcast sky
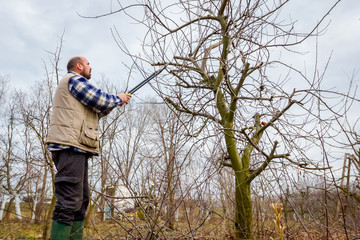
pixel 29 28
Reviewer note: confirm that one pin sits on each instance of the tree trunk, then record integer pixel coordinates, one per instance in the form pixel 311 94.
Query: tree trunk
pixel 33 208
pixel 243 208
pixel 2 207
pixel 170 189
pixel 171 212
pixel 47 225
pixel 39 210
pixel 8 209
pixel 17 207
pixel 243 203
pixel 88 214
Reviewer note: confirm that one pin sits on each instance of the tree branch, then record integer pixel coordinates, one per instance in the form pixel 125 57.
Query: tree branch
pixel 185 110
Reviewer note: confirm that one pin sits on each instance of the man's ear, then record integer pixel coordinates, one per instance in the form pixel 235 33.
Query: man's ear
pixel 79 66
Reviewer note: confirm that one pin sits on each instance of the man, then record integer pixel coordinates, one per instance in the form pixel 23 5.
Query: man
pixel 74 137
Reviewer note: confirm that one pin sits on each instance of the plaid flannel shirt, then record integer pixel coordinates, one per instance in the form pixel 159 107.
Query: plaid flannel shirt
pixel 92 97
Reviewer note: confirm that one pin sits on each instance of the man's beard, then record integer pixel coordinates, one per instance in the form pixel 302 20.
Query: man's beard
pixel 88 76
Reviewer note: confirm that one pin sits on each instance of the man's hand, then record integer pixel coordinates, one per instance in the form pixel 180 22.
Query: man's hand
pixel 125 97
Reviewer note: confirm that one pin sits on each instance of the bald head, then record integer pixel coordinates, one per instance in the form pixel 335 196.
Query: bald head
pixel 80 65
pixel 71 66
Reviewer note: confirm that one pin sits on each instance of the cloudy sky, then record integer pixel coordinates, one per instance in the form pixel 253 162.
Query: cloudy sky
pixel 29 28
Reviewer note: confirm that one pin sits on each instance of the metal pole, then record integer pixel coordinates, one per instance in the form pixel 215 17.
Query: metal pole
pixel 137 87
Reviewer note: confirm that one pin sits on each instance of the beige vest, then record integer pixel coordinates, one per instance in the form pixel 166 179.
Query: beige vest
pixel 72 123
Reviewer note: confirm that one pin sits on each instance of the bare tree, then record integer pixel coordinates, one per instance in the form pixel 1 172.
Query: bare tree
pixel 219 57
pixel 101 174
pixel 349 125
pixel 35 110
pixel 3 197
pixel 15 170
pixel 170 151
pixel 4 82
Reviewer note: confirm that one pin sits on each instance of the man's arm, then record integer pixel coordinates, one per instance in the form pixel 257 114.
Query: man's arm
pixel 92 97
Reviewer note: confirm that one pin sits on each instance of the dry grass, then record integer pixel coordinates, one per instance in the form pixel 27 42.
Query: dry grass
pixel 213 229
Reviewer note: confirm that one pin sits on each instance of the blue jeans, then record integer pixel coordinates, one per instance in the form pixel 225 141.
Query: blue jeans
pixel 71 186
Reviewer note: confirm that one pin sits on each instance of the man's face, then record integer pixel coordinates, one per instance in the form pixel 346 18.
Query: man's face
pixel 86 69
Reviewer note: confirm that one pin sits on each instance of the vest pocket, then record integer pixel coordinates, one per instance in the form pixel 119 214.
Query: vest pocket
pixel 89 135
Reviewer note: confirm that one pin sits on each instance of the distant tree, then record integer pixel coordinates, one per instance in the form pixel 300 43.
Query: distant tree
pixel 349 123
pixel 4 85
pixel 169 151
pixel 35 110
pixel 15 172
pixel 101 168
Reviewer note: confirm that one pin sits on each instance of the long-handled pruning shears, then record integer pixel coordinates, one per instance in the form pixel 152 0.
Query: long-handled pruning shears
pixel 137 87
